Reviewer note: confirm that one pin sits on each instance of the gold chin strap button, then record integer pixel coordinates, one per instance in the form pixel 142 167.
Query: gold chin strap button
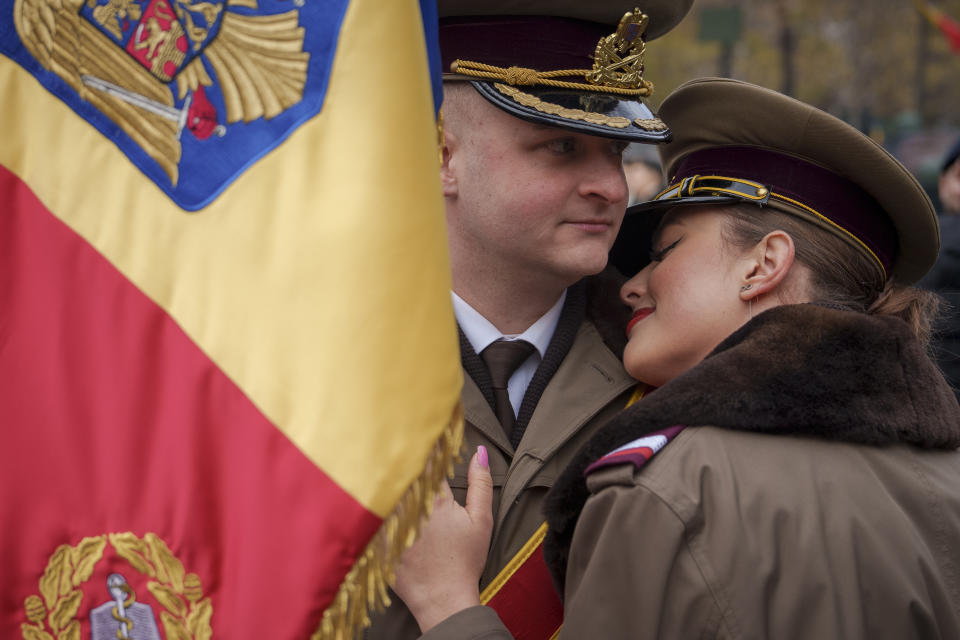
pixel 762 192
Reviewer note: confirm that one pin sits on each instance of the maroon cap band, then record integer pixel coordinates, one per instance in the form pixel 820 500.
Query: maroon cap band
pixel 839 200
pixel 543 43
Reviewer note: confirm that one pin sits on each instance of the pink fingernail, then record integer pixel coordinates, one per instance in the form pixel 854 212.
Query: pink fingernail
pixel 482 456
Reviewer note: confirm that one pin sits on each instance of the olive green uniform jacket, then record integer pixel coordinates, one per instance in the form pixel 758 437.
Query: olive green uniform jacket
pixel 822 502
pixel 587 388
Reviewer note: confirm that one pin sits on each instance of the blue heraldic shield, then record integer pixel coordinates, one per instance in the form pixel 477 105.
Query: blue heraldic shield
pixel 192 91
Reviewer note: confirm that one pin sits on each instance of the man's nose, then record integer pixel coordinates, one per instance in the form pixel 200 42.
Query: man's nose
pixel 605 180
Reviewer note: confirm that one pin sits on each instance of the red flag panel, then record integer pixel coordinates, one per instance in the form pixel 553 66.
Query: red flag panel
pixel 131 444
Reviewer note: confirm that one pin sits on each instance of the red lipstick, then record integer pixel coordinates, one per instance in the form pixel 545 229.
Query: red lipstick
pixel 638 315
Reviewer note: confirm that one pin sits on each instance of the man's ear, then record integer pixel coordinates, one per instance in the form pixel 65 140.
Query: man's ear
pixel 448 173
pixel 767 264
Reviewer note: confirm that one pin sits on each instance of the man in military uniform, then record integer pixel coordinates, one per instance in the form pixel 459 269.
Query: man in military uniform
pixel 538 107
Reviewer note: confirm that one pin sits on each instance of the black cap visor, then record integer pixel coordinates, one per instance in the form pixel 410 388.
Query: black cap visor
pixel 597 114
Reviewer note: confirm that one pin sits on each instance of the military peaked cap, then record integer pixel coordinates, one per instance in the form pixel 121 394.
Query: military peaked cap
pixel 735 142
pixel 572 64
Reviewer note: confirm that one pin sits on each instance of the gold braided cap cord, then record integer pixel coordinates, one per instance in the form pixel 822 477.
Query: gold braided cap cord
pixel 521 76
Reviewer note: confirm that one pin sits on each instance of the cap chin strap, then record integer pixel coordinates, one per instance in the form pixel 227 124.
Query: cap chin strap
pixel 716 186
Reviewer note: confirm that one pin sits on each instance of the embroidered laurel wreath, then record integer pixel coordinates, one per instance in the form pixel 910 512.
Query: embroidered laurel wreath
pixel 187 613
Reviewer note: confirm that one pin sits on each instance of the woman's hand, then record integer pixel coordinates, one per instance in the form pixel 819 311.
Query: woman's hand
pixel 440 574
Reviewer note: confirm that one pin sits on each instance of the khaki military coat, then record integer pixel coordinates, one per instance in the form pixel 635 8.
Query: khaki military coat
pixel 823 501
pixel 587 389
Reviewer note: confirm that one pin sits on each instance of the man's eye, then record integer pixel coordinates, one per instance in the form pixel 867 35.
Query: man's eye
pixel 659 255
pixel 563 145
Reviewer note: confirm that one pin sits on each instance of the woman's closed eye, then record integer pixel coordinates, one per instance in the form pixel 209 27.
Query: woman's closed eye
pixel 657 255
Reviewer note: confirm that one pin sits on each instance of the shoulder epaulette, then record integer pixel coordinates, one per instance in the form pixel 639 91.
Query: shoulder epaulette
pixel 637 452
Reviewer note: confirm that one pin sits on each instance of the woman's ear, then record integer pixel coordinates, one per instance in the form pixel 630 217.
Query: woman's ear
pixel 767 264
pixel 448 174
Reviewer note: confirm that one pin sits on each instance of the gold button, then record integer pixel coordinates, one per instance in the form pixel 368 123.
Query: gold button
pixel 762 192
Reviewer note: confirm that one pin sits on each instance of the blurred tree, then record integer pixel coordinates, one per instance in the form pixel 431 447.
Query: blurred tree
pixel 723 25
pixel 869 63
pixel 788 46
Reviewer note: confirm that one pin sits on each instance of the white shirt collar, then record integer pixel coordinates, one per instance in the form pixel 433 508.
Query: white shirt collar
pixel 480 332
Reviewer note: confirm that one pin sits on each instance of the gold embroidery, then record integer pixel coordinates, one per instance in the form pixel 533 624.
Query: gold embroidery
pixel 209 11
pixel 534 102
pixel 58 601
pixel 109 15
pixel 187 613
pixel 650 124
pixel 156 36
pixel 70 46
pixel 35 609
pixel 618 60
pixel 260 63
pixel 191 77
pixel 161 45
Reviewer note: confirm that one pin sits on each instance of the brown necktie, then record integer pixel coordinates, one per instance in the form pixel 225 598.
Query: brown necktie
pixel 502 358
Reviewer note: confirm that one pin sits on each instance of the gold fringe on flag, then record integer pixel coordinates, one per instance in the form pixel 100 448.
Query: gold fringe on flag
pixel 364 589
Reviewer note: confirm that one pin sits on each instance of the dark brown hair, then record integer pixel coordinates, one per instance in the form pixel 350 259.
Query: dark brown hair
pixel 841 275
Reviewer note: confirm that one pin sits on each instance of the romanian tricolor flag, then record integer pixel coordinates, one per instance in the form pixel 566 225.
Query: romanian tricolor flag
pixel 227 353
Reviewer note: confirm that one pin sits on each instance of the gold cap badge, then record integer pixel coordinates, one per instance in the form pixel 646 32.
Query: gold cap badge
pixel 617 65
pixel 618 60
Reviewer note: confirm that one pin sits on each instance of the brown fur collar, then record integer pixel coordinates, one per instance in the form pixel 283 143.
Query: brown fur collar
pixel 796 369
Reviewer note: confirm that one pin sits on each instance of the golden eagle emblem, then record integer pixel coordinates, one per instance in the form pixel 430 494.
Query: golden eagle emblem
pixel 136 60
